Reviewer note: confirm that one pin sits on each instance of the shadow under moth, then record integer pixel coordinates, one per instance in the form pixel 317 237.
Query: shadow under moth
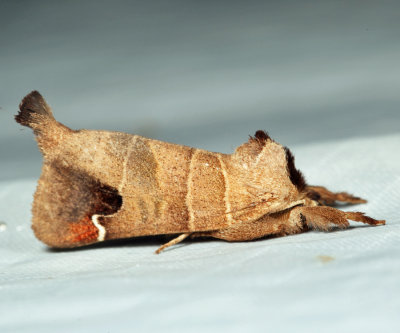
pixel 102 185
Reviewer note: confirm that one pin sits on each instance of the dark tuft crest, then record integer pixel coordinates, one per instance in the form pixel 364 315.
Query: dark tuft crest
pixel 33 108
pixel 261 137
pixel 296 177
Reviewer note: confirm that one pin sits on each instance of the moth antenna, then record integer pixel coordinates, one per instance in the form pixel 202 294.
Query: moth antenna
pixel 34 112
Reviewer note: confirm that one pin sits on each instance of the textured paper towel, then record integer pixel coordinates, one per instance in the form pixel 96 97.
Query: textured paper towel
pixel 340 281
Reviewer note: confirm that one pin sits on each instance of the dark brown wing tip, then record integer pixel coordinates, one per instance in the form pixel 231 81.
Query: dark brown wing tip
pixel 32 104
pixel 296 177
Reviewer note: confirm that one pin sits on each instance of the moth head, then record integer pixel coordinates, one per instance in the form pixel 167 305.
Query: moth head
pixel 269 167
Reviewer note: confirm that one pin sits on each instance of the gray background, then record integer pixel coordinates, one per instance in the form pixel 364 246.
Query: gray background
pixel 322 77
pixel 200 73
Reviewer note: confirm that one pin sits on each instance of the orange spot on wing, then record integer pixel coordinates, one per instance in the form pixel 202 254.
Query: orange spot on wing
pixel 83 231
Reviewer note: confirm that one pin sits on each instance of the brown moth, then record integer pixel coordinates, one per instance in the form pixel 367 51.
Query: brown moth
pixel 101 185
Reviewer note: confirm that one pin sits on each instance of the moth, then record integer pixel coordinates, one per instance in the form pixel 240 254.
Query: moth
pixel 102 185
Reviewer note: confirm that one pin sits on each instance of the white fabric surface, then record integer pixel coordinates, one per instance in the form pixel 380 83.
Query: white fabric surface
pixel 282 284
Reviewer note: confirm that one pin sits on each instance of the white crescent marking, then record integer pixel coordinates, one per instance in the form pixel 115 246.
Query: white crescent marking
pixel 102 230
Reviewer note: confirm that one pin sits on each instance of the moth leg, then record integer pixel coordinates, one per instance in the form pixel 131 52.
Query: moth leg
pixel 296 220
pixel 277 224
pixel 326 197
pixel 326 218
pixel 174 241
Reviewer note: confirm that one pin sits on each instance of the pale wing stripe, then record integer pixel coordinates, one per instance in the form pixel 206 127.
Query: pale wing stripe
pixel 260 154
pixel 189 192
pixel 95 217
pixel 125 165
pixel 228 210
